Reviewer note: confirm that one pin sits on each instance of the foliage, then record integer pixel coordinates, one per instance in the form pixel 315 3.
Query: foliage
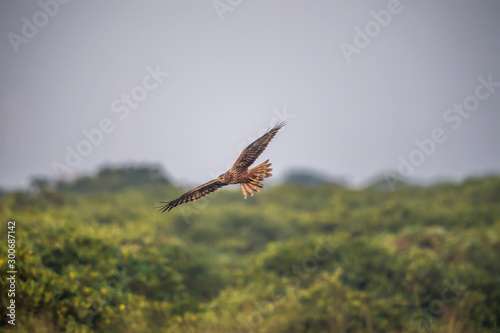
pixel 293 258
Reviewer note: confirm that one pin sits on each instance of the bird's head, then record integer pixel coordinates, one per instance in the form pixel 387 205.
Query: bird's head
pixel 223 179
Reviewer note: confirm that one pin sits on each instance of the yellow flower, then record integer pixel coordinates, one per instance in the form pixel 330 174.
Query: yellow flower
pixel 122 307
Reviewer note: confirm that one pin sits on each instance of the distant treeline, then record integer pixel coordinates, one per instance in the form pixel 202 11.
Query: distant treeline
pixel 118 177
pixel 114 178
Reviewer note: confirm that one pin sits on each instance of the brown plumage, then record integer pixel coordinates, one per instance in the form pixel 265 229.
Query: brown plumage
pixel 249 180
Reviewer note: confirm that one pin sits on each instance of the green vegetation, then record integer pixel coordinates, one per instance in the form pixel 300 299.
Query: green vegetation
pixel 95 255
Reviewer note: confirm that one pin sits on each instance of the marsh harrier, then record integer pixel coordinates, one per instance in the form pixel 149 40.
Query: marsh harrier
pixel 249 179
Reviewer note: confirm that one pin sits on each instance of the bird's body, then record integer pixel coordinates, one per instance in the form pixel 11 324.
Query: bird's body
pixel 250 180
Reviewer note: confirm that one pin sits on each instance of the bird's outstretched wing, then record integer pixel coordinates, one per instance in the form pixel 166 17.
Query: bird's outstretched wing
pixel 192 195
pixel 253 151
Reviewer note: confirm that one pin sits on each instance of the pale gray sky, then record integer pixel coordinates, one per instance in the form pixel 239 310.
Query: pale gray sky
pixel 359 82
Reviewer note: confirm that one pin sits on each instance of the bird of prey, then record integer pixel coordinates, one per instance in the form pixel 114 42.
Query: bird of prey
pixel 249 179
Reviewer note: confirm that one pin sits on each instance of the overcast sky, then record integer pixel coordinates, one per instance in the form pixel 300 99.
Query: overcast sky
pixel 188 84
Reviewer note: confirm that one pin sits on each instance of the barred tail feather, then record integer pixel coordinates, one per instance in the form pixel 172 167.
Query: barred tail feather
pixel 261 172
pixel 245 188
pixel 257 174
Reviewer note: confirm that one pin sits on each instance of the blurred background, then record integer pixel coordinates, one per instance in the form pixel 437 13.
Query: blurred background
pixel 229 70
pixel 384 212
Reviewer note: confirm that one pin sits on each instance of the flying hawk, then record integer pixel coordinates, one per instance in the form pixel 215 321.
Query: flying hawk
pixel 249 180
